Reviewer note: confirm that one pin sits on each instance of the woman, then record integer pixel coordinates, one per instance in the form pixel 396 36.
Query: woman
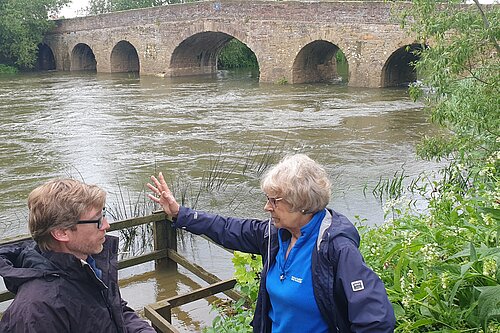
pixel 314 278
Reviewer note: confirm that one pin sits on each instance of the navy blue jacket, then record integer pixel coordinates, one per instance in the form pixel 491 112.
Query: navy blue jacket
pixel 57 292
pixel 350 296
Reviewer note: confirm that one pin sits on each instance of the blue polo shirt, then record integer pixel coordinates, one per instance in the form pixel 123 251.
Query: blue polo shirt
pixel 97 271
pixel 289 284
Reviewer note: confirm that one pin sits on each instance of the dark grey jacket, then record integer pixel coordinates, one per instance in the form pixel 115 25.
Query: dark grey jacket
pixel 57 292
pixel 350 296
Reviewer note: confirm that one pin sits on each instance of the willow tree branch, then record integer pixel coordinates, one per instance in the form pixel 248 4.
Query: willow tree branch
pixel 487 26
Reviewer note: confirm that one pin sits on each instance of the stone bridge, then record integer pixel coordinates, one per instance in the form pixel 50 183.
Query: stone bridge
pixel 294 42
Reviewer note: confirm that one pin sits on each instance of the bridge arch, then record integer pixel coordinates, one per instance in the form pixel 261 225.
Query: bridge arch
pixel 124 58
pixel 316 62
pixel 398 70
pixel 276 32
pixel 83 58
pixel 45 60
pixel 198 53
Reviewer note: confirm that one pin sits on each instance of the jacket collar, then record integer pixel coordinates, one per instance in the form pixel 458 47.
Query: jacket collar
pixel 23 261
pixel 336 225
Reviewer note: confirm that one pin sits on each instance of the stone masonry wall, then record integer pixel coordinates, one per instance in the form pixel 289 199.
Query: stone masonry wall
pixel 275 31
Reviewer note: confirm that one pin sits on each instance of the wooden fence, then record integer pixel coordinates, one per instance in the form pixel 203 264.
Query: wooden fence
pixel 164 253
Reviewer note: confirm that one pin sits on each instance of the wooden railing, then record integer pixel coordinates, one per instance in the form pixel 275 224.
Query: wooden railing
pixel 164 253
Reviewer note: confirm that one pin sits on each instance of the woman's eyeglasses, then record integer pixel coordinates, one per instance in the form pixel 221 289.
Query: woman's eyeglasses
pixel 273 201
pixel 98 221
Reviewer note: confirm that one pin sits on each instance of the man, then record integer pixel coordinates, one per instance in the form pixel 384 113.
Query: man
pixel 67 279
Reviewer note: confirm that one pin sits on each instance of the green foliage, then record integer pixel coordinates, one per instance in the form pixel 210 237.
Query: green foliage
pixel 247 274
pixel 282 81
pixel 442 268
pixel 340 57
pixel 22 28
pixel 462 76
pixel 4 69
pixel 392 188
pixel 106 6
pixel 236 317
pixel 235 54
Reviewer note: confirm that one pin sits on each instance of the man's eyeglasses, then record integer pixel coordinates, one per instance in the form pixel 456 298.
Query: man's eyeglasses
pixel 273 201
pixel 98 221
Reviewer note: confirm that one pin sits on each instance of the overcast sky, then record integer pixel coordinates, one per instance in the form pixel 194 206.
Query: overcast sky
pixel 72 9
pixel 77 5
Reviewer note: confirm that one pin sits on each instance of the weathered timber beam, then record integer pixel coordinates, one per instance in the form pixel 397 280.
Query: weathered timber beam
pixel 200 272
pixel 136 221
pixel 155 255
pixel 197 294
pixel 160 324
pixel 118 225
pixel 160 312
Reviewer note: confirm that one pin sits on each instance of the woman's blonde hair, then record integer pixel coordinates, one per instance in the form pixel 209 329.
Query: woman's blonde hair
pixel 300 181
pixel 59 204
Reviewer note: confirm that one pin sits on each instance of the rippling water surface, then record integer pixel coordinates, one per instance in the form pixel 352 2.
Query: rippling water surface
pixel 116 130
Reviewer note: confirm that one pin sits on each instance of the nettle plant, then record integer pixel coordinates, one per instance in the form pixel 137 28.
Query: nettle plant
pixel 441 264
pixel 235 317
pixel 441 267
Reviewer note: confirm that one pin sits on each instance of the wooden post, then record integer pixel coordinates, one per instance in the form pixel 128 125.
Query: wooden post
pixel 165 237
pixel 160 315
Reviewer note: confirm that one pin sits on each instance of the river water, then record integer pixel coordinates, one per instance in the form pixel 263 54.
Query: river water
pixel 211 136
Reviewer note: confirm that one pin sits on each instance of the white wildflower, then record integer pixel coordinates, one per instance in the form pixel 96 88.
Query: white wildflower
pixel 445 280
pixel 489 267
pixel 430 252
pixel 408 284
pixel 375 249
pixel 493 327
pixel 487 218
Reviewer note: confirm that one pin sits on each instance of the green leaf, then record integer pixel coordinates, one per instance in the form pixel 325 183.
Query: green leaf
pixel 494 212
pixel 422 322
pixel 488 301
pixel 465 268
pixel 402 263
pixel 23 25
pixel 473 254
pixel 454 290
pixel 399 311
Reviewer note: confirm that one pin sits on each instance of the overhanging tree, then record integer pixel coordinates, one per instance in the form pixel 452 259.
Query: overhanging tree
pixel 106 6
pixel 23 24
pixel 461 69
pixel 442 266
